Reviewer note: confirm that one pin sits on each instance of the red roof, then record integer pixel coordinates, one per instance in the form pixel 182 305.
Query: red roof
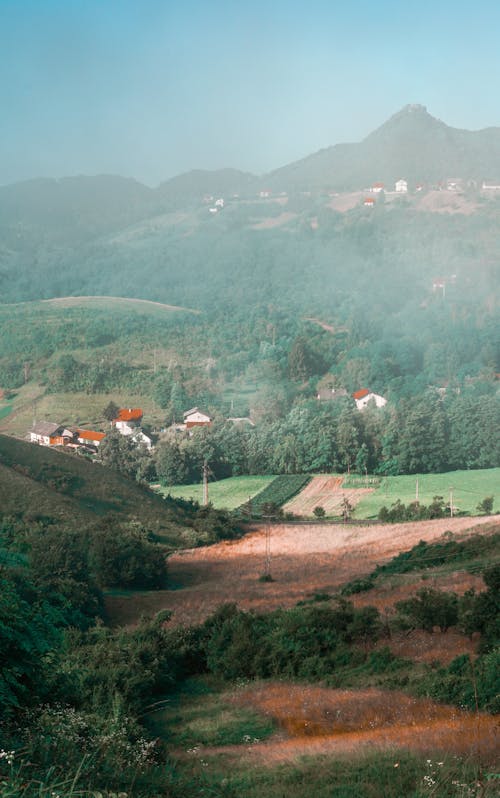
pixel 89 435
pixel 361 393
pixel 129 414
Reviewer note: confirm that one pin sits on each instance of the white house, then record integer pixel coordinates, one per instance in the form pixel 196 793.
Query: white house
pixel 48 433
pixel 364 396
pixel 219 203
pixel 141 439
pixel 88 437
pixel 377 188
pixel 128 420
pixel 401 186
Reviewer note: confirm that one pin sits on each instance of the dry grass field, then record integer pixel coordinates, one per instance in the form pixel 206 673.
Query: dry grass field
pixel 318 721
pixel 305 560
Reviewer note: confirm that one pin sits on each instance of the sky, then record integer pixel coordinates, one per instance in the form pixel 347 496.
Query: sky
pixel 152 88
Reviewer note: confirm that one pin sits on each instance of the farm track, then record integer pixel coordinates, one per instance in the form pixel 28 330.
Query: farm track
pixel 326 492
pixel 305 560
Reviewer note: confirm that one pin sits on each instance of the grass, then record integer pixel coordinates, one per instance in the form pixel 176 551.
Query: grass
pixel 80 409
pixel 365 775
pixel 226 493
pixel 190 721
pixel 5 411
pixel 469 488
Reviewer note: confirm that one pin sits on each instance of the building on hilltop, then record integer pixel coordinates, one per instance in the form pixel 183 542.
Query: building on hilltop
pixel 401 186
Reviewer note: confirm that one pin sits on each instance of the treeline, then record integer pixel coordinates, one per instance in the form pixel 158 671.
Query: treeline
pixel 424 435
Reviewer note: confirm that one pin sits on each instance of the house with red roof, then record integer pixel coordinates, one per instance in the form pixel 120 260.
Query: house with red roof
pixel 88 437
pixel 128 420
pixel 364 396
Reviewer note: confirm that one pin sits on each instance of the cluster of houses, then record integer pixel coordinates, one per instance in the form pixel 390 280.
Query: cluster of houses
pixel 127 422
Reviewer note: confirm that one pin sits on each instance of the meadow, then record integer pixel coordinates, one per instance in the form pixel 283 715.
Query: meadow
pixel 469 488
pixel 226 493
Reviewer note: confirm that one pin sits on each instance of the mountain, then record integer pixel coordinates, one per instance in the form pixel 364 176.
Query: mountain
pixel 73 206
pixel 200 182
pixel 412 144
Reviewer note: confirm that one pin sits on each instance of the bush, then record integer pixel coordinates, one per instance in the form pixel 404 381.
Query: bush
pixel 427 609
pixel 486 505
pixel 319 512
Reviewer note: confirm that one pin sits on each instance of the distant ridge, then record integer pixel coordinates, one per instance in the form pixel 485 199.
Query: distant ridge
pixel 412 144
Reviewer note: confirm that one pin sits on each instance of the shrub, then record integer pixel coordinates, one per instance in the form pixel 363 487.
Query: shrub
pixel 427 609
pixel 319 512
pixel 486 505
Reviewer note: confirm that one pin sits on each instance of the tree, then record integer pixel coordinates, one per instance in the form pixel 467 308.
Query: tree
pixel 319 512
pixel 346 508
pixel 111 410
pixel 486 505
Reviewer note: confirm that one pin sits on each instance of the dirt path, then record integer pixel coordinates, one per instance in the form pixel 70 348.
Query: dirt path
pixel 327 492
pixel 305 559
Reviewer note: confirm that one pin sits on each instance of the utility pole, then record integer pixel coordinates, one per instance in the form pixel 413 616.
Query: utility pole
pixel 451 502
pixel 267 570
pixel 205 483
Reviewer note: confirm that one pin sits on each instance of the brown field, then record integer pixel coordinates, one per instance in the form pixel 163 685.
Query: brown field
pixel 274 221
pixel 304 560
pixel 324 491
pixel 317 720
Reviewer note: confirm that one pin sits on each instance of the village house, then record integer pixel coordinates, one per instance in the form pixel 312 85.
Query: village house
pixel 196 418
pixel 364 396
pixel 48 433
pixel 401 186
pixel 141 439
pixel 369 202
pixel 88 437
pixel 128 420
pixel 489 186
pixel 377 188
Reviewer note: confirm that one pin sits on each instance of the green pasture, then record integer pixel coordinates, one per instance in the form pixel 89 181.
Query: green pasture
pixel 226 493
pixel 5 411
pixel 468 487
pixel 81 409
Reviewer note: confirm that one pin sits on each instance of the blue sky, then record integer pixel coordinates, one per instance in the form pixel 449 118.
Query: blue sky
pixel 149 89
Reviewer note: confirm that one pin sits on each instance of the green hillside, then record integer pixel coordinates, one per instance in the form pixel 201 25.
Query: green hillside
pixel 37 483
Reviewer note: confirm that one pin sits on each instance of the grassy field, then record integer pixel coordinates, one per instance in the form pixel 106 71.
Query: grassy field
pixel 103 303
pixel 469 488
pixel 81 409
pixel 227 493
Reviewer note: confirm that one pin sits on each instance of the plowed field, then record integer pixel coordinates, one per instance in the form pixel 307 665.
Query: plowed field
pixel 326 492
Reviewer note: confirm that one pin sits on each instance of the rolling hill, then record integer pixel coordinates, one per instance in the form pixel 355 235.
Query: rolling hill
pixel 37 483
